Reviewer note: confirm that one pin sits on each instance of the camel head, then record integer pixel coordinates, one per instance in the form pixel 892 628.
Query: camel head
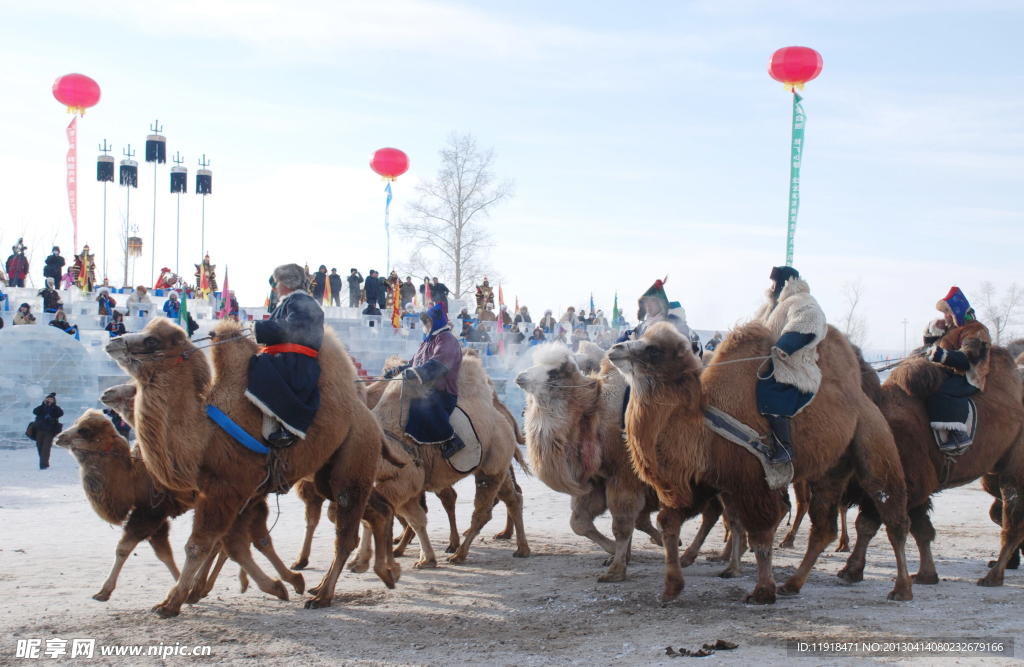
pixel 92 432
pixel 157 347
pixel 121 399
pixel 661 357
pixel 554 371
pixel 589 357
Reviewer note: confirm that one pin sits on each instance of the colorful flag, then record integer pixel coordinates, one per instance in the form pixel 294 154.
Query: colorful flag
pixel 204 284
pixel 501 317
pixel 396 317
pixel 327 288
pixel 183 312
pixel 225 306
pixel 426 294
pixel 266 303
pixel 387 225
pixel 591 302
pixel 615 311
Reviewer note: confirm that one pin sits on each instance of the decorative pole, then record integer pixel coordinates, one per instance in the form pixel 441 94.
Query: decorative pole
pixel 129 177
pixel 179 184
pixel 105 174
pixel 156 152
pixel 204 186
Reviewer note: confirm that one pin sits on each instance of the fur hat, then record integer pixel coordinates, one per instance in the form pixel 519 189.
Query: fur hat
pixel 290 276
pixel 956 304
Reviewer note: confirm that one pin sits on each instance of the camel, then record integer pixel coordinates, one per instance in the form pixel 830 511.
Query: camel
pixel 997 456
pixel 574 443
pixel 589 357
pixel 187 452
pixel 839 432
pixel 404 487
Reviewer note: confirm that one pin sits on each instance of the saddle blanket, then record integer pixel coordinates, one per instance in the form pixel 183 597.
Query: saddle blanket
pixel 778 475
pixel 465 460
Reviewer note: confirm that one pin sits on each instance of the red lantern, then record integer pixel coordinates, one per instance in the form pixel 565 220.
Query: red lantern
pixel 389 163
pixel 77 91
pixel 794 66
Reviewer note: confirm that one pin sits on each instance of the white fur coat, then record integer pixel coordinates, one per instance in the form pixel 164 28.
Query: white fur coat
pixel 796 311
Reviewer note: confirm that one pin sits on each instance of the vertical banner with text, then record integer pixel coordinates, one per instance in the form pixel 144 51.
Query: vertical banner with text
pixel 72 186
pixel 799 119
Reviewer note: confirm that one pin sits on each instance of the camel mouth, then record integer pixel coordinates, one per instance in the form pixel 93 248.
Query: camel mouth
pixel 117 349
pixel 522 381
pixel 619 355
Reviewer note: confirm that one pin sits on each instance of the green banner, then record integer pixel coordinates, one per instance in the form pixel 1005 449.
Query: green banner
pixel 799 120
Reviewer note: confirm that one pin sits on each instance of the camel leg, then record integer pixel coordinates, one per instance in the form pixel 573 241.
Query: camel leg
pixel 211 579
pixel 1012 533
pixel 162 548
pixel 265 545
pixel 868 523
pixel 803 493
pixel 238 543
pixel 996 514
pixel 924 534
pixel 765 590
pixel 823 511
pixel 448 498
pixel 203 583
pixel 379 517
pixel 313 502
pixel 736 547
pixel 625 505
pixel 644 525
pixel 709 517
pixel 417 517
pixel 142 524
pixel 584 510
pixel 125 546
pixel 361 563
pixel 483 508
pixel 509 519
pixel 844 535
pixel 512 495
pixel 670 520
pixel 407 536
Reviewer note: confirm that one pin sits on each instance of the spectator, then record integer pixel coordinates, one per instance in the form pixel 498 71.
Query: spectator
pixel 319 284
pixel 371 289
pixel 120 425
pixel 547 323
pixel 382 290
pixel 517 336
pixel 488 314
pixel 506 319
pixel 140 296
pixel 713 343
pixel 24 315
pixel 115 327
pixel 355 279
pixel 538 337
pixel 335 282
pixel 600 319
pixel 577 336
pixel 51 297
pixel 481 334
pixel 106 301
pixel 439 293
pixel 411 317
pixel 561 336
pixel 54 266
pixel 464 314
pixel 17 266
pixel 570 318
pixel 172 306
pixel 522 316
pixel 407 292
pixel 60 320
pixel 47 425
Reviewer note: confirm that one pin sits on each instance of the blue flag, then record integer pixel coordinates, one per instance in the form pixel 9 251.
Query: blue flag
pixel 387 224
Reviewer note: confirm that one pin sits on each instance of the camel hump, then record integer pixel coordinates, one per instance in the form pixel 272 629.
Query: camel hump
pixel 918 377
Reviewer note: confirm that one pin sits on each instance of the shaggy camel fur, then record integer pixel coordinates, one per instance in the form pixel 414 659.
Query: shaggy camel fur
pixel 589 357
pixel 998 450
pixel 404 487
pixel 574 442
pixel 839 432
pixel 185 451
pixel 121 398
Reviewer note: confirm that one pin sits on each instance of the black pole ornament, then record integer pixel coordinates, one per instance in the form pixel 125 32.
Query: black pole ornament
pixel 156 145
pixel 179 180
pixel 204 186
pixel 179 186
pixel 129 169
pixel 105 174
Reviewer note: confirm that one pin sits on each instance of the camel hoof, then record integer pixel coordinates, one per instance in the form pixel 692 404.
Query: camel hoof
pixel 398 553
pixel 760 596
pixel 843 548
pixel 787 543
pixel 787 589
pixel 301 564
pixel 278 590
pixel 900 595
pixel 314 591
pixel 456 559
pixel 424 564
pixel 730 573
pixel 925 579
pixel 503 536
pixel 673 589
pixel 687 561
pixel 521 553
pixel 851 576
pixel 298 583
pixel 610 577
pixel 359 567
pixel 193 597
pixel 102 596
pixel 317 603
pixel 396 573
pixel 165 611
pixel 451 548
pixel 990 581
pixel 1013 564
pixel 717 559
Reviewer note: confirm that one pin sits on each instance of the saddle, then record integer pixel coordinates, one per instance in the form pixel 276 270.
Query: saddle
pixel 951 446
pixel 467 459
pixel 778 475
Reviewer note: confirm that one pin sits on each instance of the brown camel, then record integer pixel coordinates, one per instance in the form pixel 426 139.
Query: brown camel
pixel 404 487
pixel 991 484
pixel 839 432
pixel 998 451
pixel 574 442
pixel 187 452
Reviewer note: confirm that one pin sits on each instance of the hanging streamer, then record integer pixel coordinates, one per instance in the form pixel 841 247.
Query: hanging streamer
pixel 72 160
pixel 387 224
pixel 799 120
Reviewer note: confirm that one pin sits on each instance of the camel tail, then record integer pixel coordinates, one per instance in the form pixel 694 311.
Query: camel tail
pixel 518 456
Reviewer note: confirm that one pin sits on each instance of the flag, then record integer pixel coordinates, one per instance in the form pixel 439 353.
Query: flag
pixel 183 312
pixel 327 289
pixel 225 306
pixel 615 311
pixel 501 302
pixel 426 294
pixel 204 285
pixel 591 299
pixel 396 317
pixel 387 225
pixel 517 310
pixel 266 303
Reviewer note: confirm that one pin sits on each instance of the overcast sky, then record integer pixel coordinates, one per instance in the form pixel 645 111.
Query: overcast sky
pixel 646 140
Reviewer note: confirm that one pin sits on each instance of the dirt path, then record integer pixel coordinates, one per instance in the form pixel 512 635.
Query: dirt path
pixel 495 610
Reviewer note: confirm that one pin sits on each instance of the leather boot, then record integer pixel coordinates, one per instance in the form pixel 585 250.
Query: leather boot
pixel 782 448
pixel 449 449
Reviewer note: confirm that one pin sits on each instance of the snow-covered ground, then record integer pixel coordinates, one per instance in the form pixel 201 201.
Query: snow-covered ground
pixel 495 610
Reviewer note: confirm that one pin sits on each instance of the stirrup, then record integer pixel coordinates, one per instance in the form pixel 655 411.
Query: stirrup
pixel 452 447
pixel 281 439
pixel 956 442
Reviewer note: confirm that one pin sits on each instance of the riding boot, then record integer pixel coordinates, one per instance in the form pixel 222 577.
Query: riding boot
pixel 450 448
pixel 782 448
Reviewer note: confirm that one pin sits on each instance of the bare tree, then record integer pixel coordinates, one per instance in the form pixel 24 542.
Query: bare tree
pixel 1001 315
pixel 854 324
pixel 447 224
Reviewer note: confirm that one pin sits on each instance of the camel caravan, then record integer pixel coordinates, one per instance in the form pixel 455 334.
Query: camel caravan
pixel 648 427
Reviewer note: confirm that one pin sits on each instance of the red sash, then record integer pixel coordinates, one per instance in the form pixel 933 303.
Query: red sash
pixel 290 347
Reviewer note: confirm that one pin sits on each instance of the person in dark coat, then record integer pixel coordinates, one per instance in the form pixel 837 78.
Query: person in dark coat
pixel 436 363
pixel 538 337
pixel 51 297
pixel 372 288
pixel 115 327
pixel 382 291
pixel 407 292
pixel 439 293
pixel 54 266
pixel 355 279
pixel 522 316
pixel 17 266
pixel 335 281
pixel 47 425
pixel 120 425
pixel 283 378
pixel 320 284
pixel 60 321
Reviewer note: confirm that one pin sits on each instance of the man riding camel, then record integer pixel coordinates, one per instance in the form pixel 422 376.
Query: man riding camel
pixel 436 363
pixel 789 380
pixel 655 307
pixel 964 354
pixel 283 377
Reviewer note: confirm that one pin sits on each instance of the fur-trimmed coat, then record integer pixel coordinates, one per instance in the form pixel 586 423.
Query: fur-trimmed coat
pixel 973 340
pixel 796 311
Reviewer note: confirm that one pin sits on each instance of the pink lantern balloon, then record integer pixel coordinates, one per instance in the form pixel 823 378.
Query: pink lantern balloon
pixel 794 66
pixel 76 91
pixel 389 163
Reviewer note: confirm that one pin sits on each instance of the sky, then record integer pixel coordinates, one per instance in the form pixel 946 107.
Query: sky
pixel 646 140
